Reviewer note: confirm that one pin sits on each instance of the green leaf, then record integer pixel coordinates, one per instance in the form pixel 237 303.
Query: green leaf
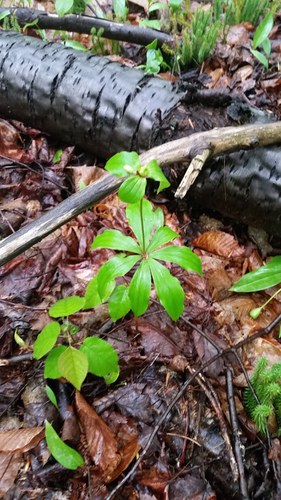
pixel 175 4
pixel 260 279
pixel 120 9
pixel 63 7
pixel 157 6
pixel 255 313
pixel 64 454
pixel 150 219
pixel 57 156
pixel 139 289
pixel 117 266
pixel 182 256
pixel 260 57
pixel 154 59
pixel 73 44
pixel 46 339
pixel 111 238
pixel 153 171
pixel 263 30
pixel 162 235
pixel 266 45
pixel 168 289
pixel 4 14
pixel 51 395
pixel 132 189
pixel 123 164
pixel 102 358
pixel 19 341
pixel 92 297
pixel 73 365
pixel 66 307
pixel 51 364
pixel 119 303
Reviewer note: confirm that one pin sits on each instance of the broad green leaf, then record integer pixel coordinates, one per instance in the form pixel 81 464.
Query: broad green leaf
pixel 149 217
pixel 260 279
pixel 182 256
pixel 57 156
pixel 64 454
pixel 66 307
pixel 123 164
pixel 266 45
pixel 63 7
pixel 175 4
pixel 46 339
pixel 51 395
pixel 102 358
pixel 157 6
pixel 117 266
pixel 263 30
pixel 158 218
pixel 260 57
pixel 92 297
pixel 73 44
pixel 120 9
pixel 73 365
pixel 153 171
pixel 4 14
pixel 151 23
pixel 162 235
pixel 111 238
pixel 168 289
pixel 139 289
pixel 132 189
pixel 51 364
pixel 119 303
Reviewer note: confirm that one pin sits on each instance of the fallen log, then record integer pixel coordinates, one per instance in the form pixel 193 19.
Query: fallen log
pixel 105 107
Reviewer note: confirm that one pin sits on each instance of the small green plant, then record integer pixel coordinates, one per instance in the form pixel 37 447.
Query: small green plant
pixel 64 7
pixel 154 59
pixel 146 250
pixel 266 383
pixel 120 10
pixel 265 277
pixel 261 40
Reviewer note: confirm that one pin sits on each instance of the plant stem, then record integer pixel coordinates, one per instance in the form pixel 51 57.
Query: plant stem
pixel 142 226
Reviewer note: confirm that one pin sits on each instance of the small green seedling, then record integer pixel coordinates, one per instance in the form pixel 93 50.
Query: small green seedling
pixel 154 59
pixel 64 454
pixel 261 40
pixel 265 277
pixel 266 402
pixel 145 250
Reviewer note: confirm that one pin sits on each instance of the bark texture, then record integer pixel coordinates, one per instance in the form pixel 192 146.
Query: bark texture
pixel 101 105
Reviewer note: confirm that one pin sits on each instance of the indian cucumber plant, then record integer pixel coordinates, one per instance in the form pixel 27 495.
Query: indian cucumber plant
pixel 142 254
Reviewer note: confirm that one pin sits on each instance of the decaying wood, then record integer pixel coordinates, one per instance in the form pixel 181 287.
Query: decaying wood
pixel 217 141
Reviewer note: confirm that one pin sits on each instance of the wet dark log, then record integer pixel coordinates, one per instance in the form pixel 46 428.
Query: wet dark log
pixel 84 24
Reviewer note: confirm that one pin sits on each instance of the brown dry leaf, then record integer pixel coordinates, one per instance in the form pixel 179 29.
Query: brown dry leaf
pixel 86 175
pixel 237 35
pixel 101 442
pixel 21 439
pixel 9 140
pixel 9 467
pixel 219 243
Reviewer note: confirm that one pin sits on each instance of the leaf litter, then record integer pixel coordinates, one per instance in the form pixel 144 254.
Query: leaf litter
pixel 110 424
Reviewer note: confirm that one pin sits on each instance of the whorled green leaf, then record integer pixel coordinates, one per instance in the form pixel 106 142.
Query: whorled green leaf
pixel 73 366
pixel 73 44
pixel 260 279
pixel 51 364
pixel 66 307
pixel 266 45
pixel 114 239
pixel 162 236
pixel 168 289
pixel 117 266
pixel 263 30
pixel 63 7
pixel 123 164
pixel 150 220
pixel 4 14
pixel 151 23
pixel 182 256
pixel 153 171
pixel 64 454
pixel 46 339
pixel 92 297
pixel 132 189
pixel 102 358
pixel 119 303
pixel 157 6
pixel 139 289
pixel 51 395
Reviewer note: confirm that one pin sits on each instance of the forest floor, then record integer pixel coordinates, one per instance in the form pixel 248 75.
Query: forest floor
pixel 193 453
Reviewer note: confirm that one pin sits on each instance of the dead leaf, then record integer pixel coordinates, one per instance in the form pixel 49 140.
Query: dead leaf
pixel 219 243
pixel 21 439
